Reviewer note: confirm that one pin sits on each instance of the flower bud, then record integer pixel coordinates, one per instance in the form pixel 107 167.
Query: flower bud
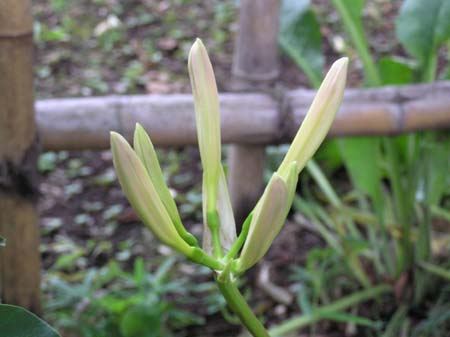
pixel 146 152
pixel 319 118
pixel 142 195
pixel 207 116
pixel 269 216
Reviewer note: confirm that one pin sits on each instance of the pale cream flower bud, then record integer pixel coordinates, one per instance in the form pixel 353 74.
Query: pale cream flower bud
pixel 319 117
pixel 142 195
pixel 269 216
pixel 146 152
pixel 207 115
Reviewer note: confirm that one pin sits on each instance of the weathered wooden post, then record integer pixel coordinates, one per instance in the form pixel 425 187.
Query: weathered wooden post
pixel 255 66
pixel 19 260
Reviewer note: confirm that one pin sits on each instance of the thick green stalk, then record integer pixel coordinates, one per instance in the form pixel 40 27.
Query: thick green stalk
pixel 239 305
pixel 429 70
pixel 304 320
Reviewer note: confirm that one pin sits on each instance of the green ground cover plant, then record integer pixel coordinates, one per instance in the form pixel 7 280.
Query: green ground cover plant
pixel 19 322
pixel 383 228
pixel 137 303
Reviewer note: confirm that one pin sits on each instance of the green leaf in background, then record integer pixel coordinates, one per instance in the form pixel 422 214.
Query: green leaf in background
pixel 446 73
pixel 421 27
pixel 436 170
pixel 355 8
pixel 142 321
pixel 436 270
pixel 301 39
pixel 395 71
pixel 350 12
pixel 329 156
pixel 18 322
pixel 362 163
pixel 351 319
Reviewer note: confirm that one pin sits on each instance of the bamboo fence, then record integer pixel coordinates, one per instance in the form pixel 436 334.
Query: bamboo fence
pixel 255 66
pixel 247 118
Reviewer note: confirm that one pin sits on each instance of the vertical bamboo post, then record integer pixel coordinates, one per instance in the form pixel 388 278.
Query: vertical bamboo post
pixel 19 260
pixel 255 66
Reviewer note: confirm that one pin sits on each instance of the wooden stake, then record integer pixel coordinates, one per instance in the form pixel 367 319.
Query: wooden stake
pixel 20 260
pixel 255 65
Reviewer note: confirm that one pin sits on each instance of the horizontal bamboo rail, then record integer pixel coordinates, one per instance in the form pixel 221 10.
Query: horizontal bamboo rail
pixel 247 118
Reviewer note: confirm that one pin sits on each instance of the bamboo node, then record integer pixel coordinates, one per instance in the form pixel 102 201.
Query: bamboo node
pixel 257 77
pixel 279 94
pixel 21 178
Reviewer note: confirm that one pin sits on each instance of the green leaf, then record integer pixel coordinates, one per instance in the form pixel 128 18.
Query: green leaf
pixel 421 27
pixel 349 318
pixel 436 270
pixel 47 162
pixel 355 8
pixel 437 173
pixel 329 155
pixel 301 39
pixel 142 321
pixel 393 328
pixel 324 184
pixel 18 322
pixel 182 318
pixel 395 71
pixel 361 160
pixel 68 260
pixel 350 14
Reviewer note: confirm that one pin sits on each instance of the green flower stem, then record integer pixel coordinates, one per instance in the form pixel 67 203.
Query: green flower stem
pixel 239 242
pixel 317 314
pixel 238 304
pixel 213 221
pixel 217 247
pixel 199 256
